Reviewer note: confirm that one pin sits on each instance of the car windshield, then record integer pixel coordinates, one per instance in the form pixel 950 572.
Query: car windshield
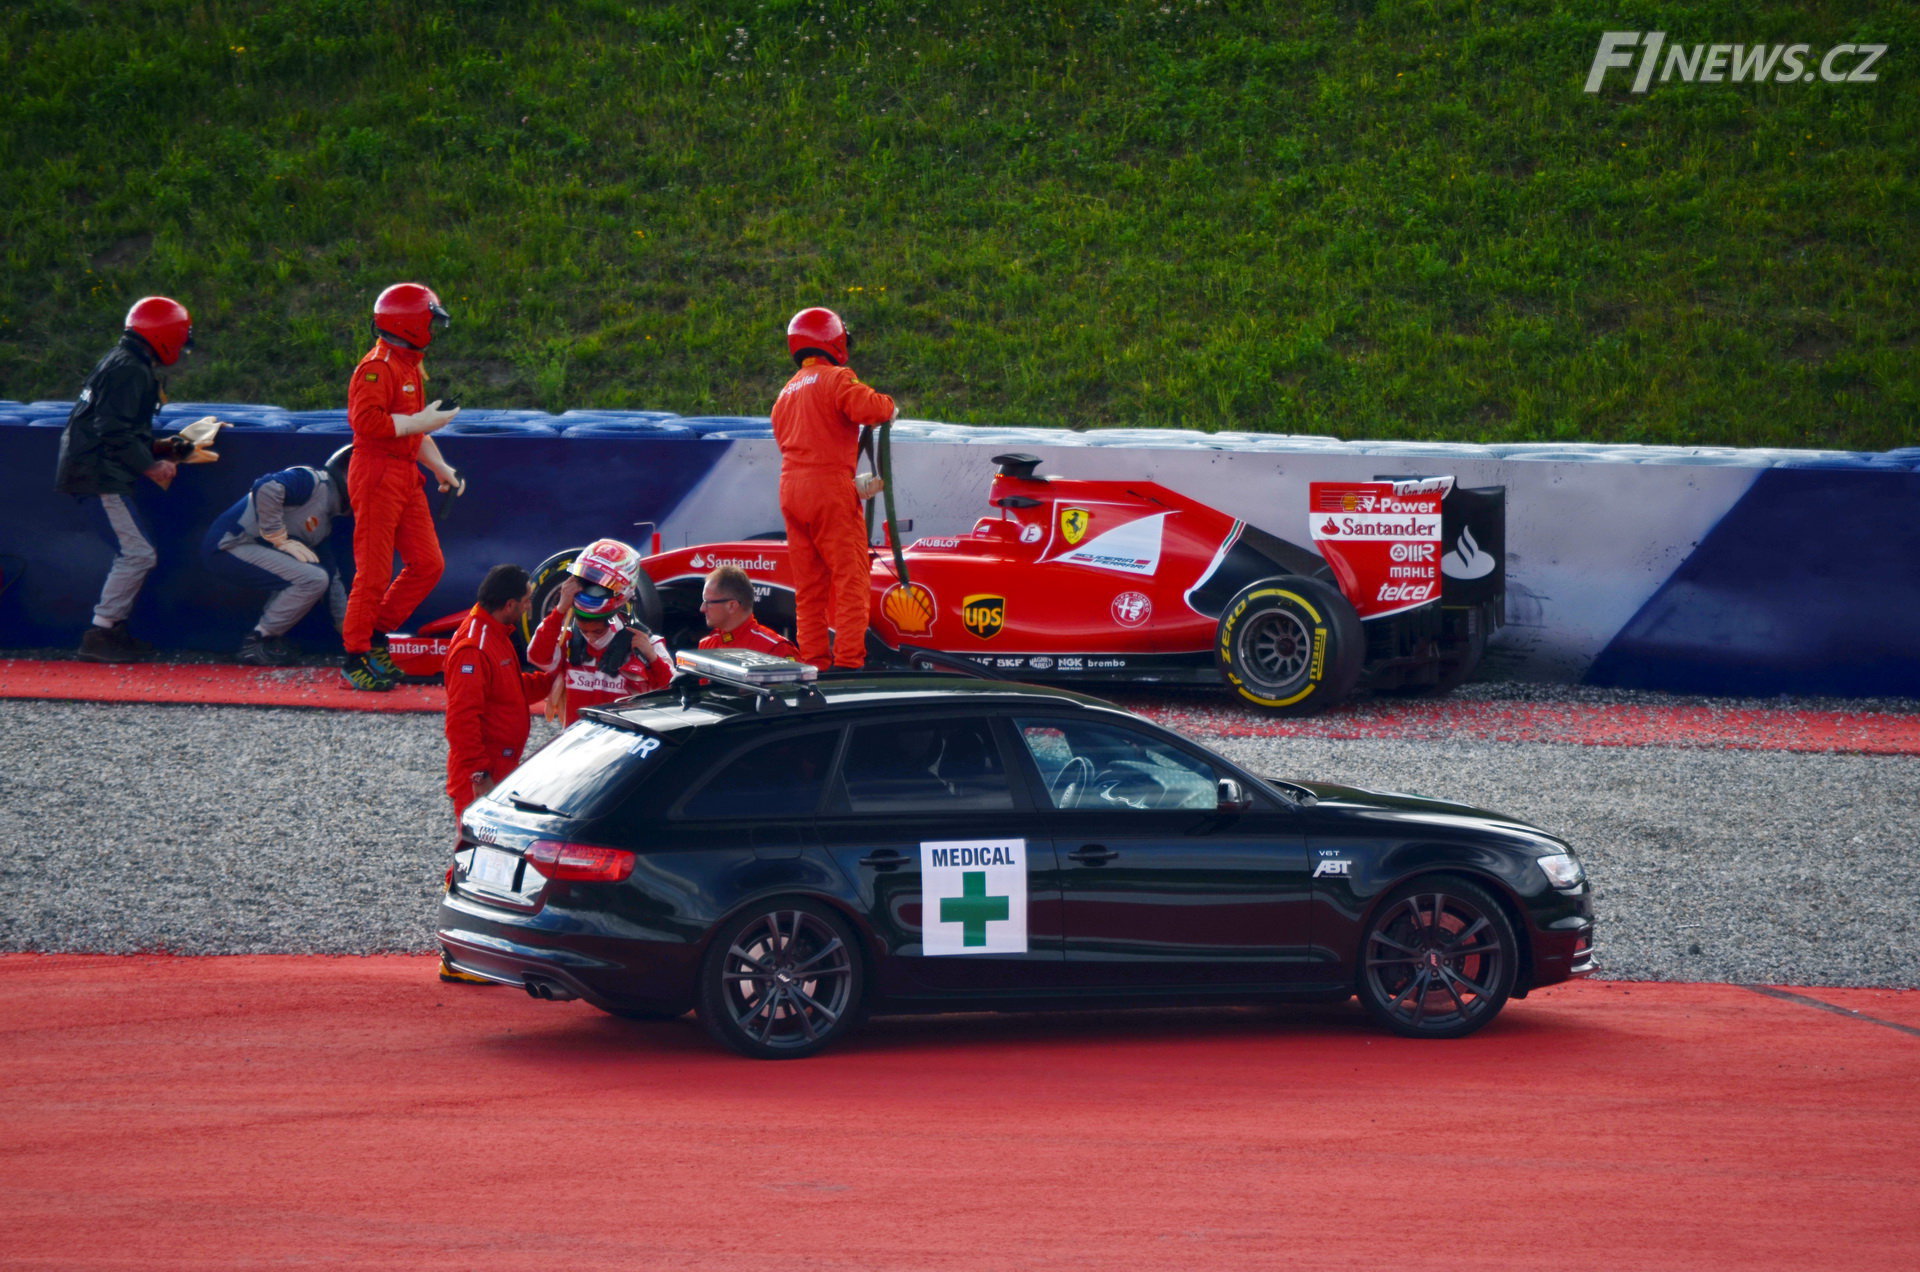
pixel 1100 766
pixel 572 774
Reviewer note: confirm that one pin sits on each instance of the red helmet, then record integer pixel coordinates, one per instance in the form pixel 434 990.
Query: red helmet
pixel 409 313
pixel 608 571
pixel 164 324
pixel 818 331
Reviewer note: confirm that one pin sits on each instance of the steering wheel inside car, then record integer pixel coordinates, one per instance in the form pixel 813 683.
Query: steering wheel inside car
pixel 1073 778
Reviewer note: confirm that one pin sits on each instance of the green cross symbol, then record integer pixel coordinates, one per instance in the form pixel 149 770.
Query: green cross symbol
pixel 973 908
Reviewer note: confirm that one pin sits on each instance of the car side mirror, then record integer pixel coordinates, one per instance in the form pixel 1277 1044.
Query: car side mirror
pixel 1233 796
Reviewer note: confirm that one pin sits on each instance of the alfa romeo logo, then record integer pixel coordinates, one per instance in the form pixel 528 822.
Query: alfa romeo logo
pixel 1131 609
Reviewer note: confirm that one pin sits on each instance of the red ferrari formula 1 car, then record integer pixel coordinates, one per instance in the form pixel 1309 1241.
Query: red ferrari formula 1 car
pixel 1115 581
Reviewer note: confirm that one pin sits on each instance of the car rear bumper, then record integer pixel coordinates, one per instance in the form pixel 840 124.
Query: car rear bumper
pixel 553 957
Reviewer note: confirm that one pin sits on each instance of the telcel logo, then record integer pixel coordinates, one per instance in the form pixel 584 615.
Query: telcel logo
pixel 1728 63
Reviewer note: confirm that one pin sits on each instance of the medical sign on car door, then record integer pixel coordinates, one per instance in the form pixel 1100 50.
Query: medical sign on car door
pixel 973 896
pixel 1382 539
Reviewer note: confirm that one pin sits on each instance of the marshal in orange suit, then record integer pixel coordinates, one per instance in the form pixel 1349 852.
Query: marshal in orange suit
pixel 816 421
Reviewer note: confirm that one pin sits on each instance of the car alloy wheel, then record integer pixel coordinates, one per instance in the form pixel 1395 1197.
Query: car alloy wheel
pixel 781 980
pixel 1437 960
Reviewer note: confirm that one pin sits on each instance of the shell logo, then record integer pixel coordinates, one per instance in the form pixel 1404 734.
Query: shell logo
pixel 909 608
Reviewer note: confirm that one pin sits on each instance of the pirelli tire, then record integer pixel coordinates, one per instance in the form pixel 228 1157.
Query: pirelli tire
pixel 552 573
pixel 1290 645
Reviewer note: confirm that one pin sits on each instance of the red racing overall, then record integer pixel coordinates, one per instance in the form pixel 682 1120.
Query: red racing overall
pixel 389 497
pixel 754 635
pixel 487 700
pixel 816 421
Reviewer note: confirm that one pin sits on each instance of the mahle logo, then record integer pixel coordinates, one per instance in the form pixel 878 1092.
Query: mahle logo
pixel 1642 53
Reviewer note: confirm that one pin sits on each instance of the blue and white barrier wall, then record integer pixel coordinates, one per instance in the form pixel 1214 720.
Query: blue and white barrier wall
pixel 1697 570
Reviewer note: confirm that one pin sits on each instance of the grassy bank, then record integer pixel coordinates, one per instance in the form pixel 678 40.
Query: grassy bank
pixel 1370 220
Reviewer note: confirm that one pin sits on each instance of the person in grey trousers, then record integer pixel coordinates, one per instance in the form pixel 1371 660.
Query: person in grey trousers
pixel 276 538
pixel 108 446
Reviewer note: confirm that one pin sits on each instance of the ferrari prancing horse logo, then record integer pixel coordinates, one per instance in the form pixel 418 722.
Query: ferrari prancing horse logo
pixel 984 615
pixel 1073 524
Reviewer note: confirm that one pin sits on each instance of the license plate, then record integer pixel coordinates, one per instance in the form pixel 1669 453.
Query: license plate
pixel 494 869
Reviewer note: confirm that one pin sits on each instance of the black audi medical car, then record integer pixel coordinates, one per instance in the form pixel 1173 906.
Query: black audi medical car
pixel 784 858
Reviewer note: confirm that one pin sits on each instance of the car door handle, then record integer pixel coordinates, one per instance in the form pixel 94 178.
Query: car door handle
pixel 885 859
pixel 1093 855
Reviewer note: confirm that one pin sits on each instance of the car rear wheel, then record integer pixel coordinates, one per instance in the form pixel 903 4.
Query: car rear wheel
pixel 1437 960
pixel 1291 645
pixel 782 980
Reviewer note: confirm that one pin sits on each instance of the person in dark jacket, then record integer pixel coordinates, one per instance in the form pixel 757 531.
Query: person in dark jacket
pixel 108 446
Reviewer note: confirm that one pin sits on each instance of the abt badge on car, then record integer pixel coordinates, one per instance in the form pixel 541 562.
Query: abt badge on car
pixel 785 855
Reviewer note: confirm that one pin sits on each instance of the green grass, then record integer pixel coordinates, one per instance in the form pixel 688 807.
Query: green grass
pixel 1364 219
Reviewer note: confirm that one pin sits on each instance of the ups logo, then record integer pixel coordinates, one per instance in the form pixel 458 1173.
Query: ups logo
pixel 984 615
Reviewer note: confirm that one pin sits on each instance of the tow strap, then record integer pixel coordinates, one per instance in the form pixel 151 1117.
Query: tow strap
pixel 880 461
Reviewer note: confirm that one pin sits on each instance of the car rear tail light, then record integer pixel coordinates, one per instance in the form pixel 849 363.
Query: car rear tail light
pixel 558 859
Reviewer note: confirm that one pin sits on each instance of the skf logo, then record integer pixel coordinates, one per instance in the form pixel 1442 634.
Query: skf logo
pixel 1073 524
pixel 1337 868
pixel 909 609
pixel 984 615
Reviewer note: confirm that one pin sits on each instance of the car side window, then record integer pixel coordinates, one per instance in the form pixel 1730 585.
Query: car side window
pixel 1104 767
pixel 925 766
pixel 782 778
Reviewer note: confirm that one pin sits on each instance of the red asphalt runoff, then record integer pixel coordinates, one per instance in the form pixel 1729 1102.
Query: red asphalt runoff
pixel 318 1112
pixel 160 1112
pixel 1439 719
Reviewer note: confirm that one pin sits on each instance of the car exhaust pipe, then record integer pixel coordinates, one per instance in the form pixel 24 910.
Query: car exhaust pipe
pixel 548 991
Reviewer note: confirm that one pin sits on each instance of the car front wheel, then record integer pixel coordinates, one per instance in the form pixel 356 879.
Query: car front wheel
pixel 1437 960
pixel 782 980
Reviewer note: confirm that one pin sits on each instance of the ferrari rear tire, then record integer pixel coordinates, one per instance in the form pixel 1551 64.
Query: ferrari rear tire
pixel 1290 645
pixel 1437 959
pixel 782 980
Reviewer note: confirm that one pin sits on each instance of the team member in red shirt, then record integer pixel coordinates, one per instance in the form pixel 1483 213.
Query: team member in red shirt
pixel 726 602
pixel 487 693
pixel 816 422
pixel 596 653
pixel 391 417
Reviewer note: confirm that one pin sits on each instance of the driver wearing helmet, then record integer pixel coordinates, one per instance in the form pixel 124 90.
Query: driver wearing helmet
pixel 391 417
pixel 108 446
pixel 601 653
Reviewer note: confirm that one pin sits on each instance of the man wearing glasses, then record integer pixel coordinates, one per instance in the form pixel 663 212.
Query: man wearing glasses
pixel 726 602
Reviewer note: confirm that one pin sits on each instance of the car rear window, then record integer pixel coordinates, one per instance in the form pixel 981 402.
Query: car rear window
pixel 575 772
pixel 925 766
pixel 782 778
